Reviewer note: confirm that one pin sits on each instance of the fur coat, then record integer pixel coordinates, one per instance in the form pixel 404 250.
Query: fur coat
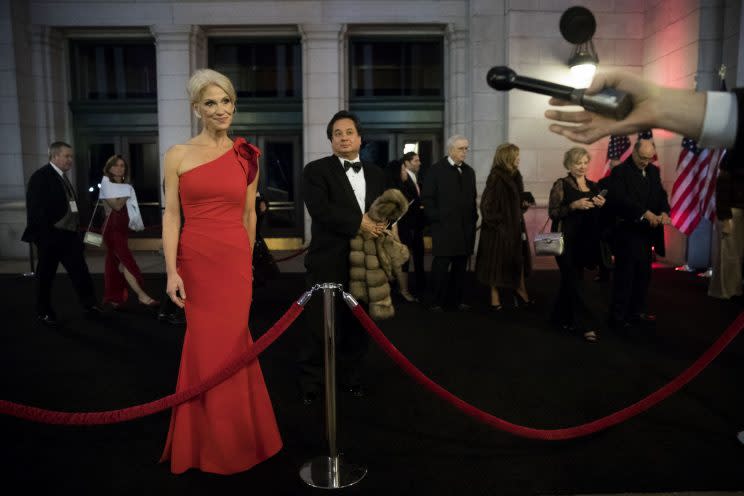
pixel 377 261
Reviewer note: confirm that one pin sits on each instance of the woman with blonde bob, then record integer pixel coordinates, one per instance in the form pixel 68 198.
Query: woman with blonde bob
pixel 503 258
pixel 213 179
pixel 574 207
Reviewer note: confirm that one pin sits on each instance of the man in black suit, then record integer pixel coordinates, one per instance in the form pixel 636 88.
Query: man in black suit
pixel 449 204
pixel 641 209
pixel 52 224
pixel 338 191
pixel 404 177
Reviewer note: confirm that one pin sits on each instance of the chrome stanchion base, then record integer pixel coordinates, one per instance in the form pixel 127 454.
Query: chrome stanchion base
pixel 29 274
pixel 327 472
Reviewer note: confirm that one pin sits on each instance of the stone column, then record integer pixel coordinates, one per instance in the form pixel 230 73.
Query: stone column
pixel 322 84
pixel 457 83
pixel 174 60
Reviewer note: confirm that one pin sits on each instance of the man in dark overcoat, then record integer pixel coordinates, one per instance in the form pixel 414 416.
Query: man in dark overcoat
pixel 53 226
pixel 338 192
pixel 449 204
pixel 640 206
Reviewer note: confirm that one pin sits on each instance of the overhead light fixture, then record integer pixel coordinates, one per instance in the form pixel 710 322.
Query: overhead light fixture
pixel 583 64
pixel 577 26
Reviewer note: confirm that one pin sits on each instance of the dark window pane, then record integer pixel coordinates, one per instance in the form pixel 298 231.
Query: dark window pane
pixel 396 68
pixel 266 69
pixel 113 71
pixel 278 183
pixel 145 171
pixel 376 151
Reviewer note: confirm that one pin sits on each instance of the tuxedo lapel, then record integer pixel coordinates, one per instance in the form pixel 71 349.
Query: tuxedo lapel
pixel 339 177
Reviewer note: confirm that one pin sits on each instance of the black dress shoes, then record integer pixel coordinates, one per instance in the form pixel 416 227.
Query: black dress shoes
pixel 309 397
pixel 175 318
pixel 356 390
pixel 647 318
pixel 436 309
pixel 463 307
pixel 94 312
pixel 47 319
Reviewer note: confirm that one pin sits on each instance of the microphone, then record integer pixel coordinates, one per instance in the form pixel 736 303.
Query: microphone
pixel 609 102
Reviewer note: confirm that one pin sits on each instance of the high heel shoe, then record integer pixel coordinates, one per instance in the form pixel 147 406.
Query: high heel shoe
pixel 520 302
pixel 591 336
pixel 495 308
pixel 150 304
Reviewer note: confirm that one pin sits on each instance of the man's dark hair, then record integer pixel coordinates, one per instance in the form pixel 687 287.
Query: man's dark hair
pixel 343 114
pixel 55 148
pixel 407 157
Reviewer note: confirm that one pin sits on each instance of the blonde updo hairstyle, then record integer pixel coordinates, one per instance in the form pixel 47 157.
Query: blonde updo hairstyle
pixel 574 155
pixel 505 157
pixel 203 78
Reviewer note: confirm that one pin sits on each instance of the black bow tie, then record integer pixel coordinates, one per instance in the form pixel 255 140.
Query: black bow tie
pixel 357 166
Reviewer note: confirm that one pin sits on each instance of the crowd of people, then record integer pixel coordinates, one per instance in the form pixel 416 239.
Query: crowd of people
pixel 211 182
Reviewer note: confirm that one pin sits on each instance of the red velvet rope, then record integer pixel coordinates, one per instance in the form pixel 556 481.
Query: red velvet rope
pixel 113 416
pixel 551 434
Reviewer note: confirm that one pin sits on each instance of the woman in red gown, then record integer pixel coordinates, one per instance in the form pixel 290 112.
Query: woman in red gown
pixel 120 269
pixel 232 426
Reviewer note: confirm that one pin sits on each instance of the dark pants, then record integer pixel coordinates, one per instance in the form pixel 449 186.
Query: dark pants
pixel 66 248
pixel 572 305
pixel 448 285
pixel 631 278
pixel 352 343
pixel 414 240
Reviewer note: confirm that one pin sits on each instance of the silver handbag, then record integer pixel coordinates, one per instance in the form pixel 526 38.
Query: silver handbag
pixel 548 243
pixel 91 237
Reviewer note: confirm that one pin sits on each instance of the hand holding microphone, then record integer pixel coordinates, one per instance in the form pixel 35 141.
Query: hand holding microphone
pixel 608 101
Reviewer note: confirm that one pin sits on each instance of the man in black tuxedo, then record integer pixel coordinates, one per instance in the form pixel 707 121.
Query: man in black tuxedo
pixel 404 176
pixel 338 191
pixel 449 204
pixel 641 209
pixel 52 224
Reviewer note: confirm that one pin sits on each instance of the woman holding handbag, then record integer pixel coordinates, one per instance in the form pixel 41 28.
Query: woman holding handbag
pixel 504 258
pixel 121 270
pixel 574 209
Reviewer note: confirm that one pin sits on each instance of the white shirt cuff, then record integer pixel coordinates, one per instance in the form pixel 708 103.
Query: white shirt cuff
pixel 719 124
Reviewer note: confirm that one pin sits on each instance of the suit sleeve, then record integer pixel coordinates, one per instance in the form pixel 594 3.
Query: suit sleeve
pixel 429 197
pixel 334 218
pixel 36 211
pixel 663 200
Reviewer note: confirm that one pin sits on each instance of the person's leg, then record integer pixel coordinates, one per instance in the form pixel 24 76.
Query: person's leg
pixel 459 267
pixel 46 269
pixel 622 286
pixel 439 276
pixel 134 283
pixel 417 254
pixel 73 259
pixel 641 282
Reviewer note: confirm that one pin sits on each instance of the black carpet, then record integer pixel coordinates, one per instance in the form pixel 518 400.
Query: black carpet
pixel 514 366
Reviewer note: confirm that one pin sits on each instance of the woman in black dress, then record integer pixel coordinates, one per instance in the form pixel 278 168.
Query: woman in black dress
pixel 574 207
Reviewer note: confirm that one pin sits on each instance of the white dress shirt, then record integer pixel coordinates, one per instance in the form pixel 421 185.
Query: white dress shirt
pixel 452 163
pixel 720 120
pixel 356 179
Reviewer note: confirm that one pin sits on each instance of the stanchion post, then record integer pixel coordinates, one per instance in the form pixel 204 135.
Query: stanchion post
pixel 330 472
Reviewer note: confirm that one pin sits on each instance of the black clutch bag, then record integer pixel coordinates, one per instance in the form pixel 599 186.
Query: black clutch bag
pixel 527 197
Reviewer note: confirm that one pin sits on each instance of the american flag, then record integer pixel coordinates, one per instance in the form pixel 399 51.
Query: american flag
pixel 617 151
pixel 694 188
